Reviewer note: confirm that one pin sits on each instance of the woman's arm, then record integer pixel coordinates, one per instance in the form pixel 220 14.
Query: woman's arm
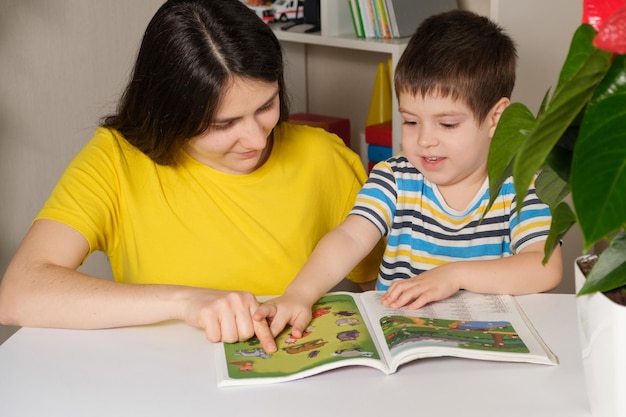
pixel 42 288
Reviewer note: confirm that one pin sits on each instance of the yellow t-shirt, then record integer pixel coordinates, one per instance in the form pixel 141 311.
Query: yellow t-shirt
pixel 193 225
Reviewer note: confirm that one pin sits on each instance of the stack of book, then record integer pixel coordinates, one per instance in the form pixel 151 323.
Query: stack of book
pixel 386 19
pixel 378 139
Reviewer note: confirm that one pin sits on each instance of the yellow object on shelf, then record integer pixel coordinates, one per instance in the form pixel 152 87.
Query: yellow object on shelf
pixel 380 106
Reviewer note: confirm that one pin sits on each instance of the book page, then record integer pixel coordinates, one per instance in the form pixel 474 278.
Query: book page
pixel 337 336
pixel 469 325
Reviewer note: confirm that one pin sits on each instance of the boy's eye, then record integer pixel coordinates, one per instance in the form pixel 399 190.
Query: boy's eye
pixel 409 122
pixel 449 125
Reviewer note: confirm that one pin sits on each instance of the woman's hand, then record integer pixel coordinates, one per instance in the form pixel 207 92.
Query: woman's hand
pixel 225 316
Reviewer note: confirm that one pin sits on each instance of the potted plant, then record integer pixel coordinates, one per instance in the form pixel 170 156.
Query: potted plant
pixel 577 143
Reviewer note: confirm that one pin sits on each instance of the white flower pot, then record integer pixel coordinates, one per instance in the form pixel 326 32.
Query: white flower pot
pixel 602 325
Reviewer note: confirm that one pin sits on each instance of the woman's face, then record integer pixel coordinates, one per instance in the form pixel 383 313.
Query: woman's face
pixel 237 140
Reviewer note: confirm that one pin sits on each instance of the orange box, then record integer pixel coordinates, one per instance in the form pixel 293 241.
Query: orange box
pixel 337 125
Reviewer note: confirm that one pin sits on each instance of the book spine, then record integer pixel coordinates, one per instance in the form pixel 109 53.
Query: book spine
pixel 383 21
pixel 393 22
pixel 356 18
pixel 374 18
pixel 365 18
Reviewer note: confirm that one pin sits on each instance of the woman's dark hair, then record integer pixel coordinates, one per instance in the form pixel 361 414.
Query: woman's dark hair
pixel 191 51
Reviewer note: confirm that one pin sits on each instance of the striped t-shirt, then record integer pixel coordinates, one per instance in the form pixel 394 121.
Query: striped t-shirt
pixel 422 231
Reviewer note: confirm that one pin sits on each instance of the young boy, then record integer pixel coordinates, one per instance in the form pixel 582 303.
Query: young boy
pixel 453 82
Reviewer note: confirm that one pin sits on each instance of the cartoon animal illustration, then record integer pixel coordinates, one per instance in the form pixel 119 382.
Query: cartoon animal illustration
pixel 319 312
pixel 344 313
pixel 348 335
pixel 350 353
pixel 256 352
pixel 244 366
pixel 312 354
pixel 348 322
pixel 305 347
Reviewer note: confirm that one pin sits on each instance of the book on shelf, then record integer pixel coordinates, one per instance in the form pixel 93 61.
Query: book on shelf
pixel 357 21
pixel 351 329
pixel 367 17
pixel 385 19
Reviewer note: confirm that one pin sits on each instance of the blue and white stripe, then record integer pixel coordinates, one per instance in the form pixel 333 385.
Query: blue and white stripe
pixel 422 232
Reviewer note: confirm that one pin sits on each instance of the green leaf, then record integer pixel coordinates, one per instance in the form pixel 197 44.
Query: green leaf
pixel 599 160
pixel 584 69
pixel 580 48
pixel 563 218
pixel 510 134
pixel 551 189
pixel 610 270
pixel 560 157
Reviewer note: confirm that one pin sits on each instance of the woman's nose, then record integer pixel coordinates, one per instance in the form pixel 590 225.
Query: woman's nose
pixel 255 136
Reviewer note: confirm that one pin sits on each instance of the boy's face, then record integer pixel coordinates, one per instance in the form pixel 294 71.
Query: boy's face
pixel 444 141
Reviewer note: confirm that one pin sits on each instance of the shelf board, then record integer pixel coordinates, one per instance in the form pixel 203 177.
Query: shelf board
pixel 348 41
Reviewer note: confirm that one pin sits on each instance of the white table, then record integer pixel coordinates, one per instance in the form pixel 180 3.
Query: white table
pixel 167 370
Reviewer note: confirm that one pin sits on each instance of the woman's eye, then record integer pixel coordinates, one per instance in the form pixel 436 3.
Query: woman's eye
pixel 220 126
pixel 267 107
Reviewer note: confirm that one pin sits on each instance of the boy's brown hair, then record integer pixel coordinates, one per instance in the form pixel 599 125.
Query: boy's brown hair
pixel 462 55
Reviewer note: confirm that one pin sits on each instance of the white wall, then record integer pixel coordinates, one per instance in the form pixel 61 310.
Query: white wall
pixel 63 64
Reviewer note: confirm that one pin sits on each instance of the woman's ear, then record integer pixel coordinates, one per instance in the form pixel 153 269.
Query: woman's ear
pixel 496 113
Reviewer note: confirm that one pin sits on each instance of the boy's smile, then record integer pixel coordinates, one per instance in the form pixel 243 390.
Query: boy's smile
pixel 442 138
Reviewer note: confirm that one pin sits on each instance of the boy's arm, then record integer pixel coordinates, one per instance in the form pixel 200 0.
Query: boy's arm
pixel 522 273
pixel 336 254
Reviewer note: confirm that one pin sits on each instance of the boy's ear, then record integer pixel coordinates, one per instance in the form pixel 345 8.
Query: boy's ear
pixel 496 113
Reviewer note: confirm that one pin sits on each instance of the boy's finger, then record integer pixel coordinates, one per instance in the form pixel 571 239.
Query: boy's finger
pixel 277 325
pixel 265 311
pixel 299 324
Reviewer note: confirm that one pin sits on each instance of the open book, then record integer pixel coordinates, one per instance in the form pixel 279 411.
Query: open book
pixel 356 329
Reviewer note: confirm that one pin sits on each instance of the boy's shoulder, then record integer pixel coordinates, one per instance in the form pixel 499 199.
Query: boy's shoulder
pixel 398 165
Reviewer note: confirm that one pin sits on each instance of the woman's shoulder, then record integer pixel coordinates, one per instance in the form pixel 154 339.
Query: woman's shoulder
pixel 110 144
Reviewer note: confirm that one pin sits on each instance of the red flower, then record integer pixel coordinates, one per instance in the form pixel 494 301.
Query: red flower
pixel 608 17
pixel 596 12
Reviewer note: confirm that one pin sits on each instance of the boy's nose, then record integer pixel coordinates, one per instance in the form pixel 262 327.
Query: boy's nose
pixel 426 140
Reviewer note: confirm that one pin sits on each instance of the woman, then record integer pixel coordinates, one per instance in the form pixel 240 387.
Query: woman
pixel 197 190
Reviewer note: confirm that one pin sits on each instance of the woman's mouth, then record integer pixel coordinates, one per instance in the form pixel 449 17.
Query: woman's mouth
pixel 248 154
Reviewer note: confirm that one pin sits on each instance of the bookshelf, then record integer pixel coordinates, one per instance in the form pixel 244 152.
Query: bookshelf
pixel 336 32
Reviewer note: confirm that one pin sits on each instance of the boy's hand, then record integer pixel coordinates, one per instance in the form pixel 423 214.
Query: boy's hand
pixel 416 292
pixel 280 312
